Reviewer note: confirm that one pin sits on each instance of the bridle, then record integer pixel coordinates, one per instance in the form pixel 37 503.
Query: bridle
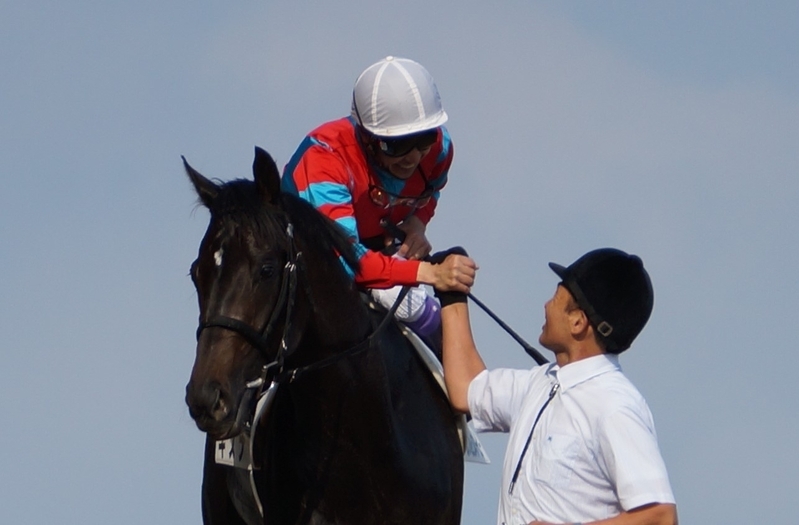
pixel 274 372
pixel 259 339
pixel 285 305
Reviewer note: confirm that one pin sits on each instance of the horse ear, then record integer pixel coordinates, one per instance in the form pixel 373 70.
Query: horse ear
pixel 267 177
pixel 206 190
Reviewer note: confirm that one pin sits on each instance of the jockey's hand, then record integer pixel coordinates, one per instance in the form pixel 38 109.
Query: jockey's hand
pixel 415 246
pixel 449 272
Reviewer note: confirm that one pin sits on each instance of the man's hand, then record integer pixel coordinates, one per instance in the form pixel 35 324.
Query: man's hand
pixel 415 245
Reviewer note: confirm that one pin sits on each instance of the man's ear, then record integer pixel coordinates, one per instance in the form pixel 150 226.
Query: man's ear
pixel 578 323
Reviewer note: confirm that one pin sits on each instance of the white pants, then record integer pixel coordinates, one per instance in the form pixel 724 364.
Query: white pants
pixel 411 307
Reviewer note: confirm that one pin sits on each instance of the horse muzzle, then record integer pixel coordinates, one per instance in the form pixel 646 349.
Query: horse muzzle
pixel 214 410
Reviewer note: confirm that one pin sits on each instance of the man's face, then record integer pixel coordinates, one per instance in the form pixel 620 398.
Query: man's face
pixel 556 332
pixel 403 167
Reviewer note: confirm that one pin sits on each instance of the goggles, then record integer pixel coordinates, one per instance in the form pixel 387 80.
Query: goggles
pixel 385 199
pixel 401 146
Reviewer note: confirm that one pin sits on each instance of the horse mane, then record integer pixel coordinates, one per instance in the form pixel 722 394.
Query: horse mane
pixel 320 231
pixel 238 202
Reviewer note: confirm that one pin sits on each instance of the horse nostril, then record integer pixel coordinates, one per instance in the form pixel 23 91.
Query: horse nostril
pixel 219 408
pixel 208 401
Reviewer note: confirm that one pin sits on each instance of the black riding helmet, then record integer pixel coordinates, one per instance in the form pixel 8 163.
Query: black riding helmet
pixel 614 290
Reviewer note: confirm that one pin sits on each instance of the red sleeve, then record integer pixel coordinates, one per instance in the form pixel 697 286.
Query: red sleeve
pixel 380 271
pixel 319 176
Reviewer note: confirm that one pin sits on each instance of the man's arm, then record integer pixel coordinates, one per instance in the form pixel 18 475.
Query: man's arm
pixel 654 514
pixel 461 361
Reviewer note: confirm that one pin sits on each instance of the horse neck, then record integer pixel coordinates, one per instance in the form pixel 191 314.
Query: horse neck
pixel 337 317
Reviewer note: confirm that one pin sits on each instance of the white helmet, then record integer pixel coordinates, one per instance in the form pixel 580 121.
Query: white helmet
pixel 396 97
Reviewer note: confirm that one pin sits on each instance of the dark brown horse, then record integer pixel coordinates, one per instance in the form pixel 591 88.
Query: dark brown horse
pixel 357 432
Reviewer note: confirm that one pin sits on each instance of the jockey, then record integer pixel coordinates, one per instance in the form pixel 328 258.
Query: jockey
pixel 387 161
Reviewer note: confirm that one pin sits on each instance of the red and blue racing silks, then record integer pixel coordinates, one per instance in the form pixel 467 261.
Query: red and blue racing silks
pixel 332 170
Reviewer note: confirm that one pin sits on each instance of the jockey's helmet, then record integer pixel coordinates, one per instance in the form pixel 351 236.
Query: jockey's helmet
pixel 396 97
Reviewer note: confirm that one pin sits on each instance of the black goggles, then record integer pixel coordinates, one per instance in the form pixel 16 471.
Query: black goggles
pixel 401 146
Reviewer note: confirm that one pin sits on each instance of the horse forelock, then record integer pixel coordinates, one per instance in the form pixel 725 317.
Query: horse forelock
pixel 238 210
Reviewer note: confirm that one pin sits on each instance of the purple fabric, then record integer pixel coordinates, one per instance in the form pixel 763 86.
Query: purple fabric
pixel 428 322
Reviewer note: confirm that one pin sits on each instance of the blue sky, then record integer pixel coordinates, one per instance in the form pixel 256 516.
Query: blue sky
pixel 665 129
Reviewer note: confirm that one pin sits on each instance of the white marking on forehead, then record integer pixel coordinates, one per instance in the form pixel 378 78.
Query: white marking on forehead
pixel 218 256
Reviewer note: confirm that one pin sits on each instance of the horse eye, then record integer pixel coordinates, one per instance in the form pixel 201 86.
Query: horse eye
pixel 267 270
pixel 193 271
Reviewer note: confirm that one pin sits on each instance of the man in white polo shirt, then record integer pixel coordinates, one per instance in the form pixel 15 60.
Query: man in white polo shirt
pixel 582 445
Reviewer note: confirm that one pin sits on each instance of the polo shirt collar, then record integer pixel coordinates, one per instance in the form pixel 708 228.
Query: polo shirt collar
pixel 584 369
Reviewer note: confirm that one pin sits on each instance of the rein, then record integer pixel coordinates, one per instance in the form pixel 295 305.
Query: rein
pixel 397 233
pixel 289 376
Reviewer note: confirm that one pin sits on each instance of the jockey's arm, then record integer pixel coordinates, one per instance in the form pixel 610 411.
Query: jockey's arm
pixel 415 245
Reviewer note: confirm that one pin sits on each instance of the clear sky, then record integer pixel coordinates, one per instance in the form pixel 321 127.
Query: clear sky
pixel 667 129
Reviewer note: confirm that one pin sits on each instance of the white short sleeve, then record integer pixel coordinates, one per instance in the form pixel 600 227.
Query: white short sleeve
pixel 495 398
pixel 628 444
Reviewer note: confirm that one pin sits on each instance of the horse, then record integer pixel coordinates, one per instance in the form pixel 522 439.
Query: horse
pixel 357 430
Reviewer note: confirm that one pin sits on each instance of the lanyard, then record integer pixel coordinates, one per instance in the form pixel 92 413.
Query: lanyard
pixel 552 393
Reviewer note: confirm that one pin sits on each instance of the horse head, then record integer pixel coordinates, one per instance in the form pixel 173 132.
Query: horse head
pixel 255 307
